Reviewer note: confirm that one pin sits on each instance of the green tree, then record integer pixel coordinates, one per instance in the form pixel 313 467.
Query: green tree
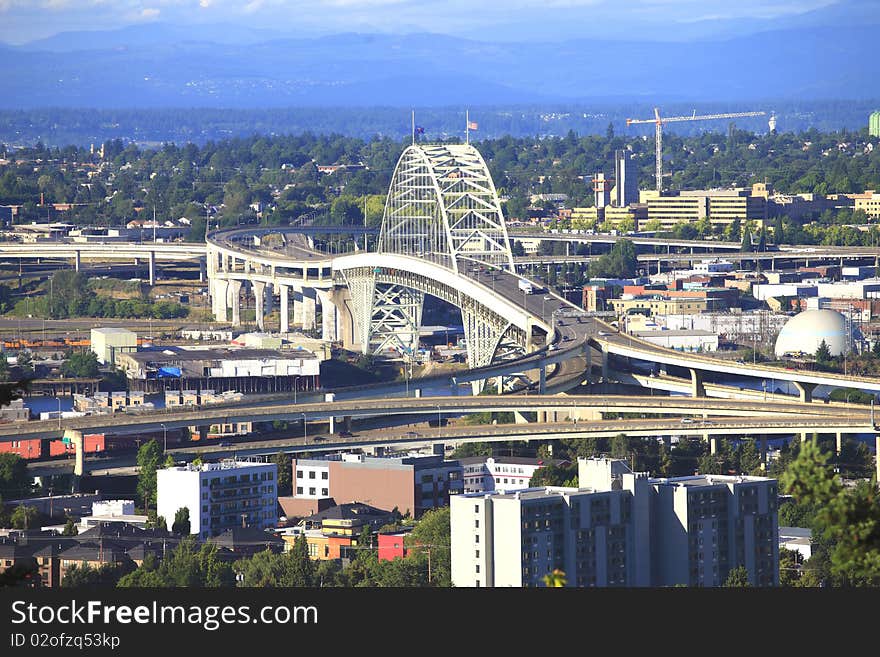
pixel 25 517
pixel 746 241
pixel 621 262
pixel 302 570
pixel 429 543
pixel 70 528
pixel 285 474
pixel 14 478
pixel 81 364
pixel 847 518
pixel 737 577
pixel 181 524
pixel 148 459
pixel 823 353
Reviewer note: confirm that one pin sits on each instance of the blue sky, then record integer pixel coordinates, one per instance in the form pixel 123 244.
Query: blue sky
pixel 25 20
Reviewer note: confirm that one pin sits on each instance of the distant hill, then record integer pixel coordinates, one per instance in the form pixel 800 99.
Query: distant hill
pixel 161 66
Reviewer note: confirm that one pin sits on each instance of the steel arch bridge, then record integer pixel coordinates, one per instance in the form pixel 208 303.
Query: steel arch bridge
pixel 442 218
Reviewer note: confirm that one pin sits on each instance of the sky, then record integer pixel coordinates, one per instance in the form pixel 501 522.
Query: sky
pixel 26 20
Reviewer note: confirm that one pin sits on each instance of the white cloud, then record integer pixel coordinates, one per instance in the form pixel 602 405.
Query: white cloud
pixel 150 12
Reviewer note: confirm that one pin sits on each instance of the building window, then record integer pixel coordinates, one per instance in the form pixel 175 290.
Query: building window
pixel 477 538
pixel 311 491
pixel 311 474
pixel 478 568
pixel 299 490
pixel 477 555
pixel 299 473
pixel 325 492
pixel 325 475
pixel 477 522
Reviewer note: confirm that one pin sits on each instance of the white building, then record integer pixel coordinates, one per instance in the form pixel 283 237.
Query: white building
pixel 619 528
pixel 219 495
pixel 681 339
pixel 107 342
pixel 113 508
pixel 797 539
pixel 112 511
pixel 487 473
pixel 868 288
pixel 764 291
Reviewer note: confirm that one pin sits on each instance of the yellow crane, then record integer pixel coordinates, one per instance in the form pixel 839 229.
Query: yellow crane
pixel 658 121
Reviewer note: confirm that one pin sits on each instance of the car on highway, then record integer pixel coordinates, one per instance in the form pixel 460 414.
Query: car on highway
pixel 604 333
pixel 687 420
pixel 345 434
pixel 225 443
pixel 319 439
pixel 412 434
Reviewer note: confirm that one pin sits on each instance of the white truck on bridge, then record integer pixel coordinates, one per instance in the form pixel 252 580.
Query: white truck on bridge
pixel 526 286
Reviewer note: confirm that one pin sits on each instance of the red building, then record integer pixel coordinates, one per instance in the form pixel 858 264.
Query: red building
pixel 391 546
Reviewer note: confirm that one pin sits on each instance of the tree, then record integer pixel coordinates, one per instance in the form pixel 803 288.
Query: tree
pixel 823 353
pixel 429 544
pixel 746 241
pixel 81 364
pixel 70 528
pixel 738 577
pixel 555 579
pixel 302 570
pixel 285 474
pixel 621 262
pixel 148 459
pixel 24 517
pixel 181 523
pixel 14 478
pixel 847 518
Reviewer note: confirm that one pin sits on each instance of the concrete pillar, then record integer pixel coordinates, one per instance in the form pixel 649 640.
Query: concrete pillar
pixel 234 300
pixel 332 424
pixel 269 298
pixel 697 387
pixel 589 356
pixel 328 316
pixel 76 260
pixel 152 268
pixel 453 387
pixel 76 437
pixel 220 287
pixel 604 365
pixel 713 443
pixel 308 312
pixel 763 446
pixel 542 381
pixel 839 442
pixel 298 308
pixel 417 393
pixel 284 295
pixel 499 385
pixel 202 271
pixel 805 390
pixel 259 302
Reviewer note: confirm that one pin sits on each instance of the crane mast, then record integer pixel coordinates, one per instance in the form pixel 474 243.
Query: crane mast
pixel 658 122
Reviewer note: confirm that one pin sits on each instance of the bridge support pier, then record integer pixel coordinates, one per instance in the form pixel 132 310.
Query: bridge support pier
pixel 332 421
pixel 152 268
pixel 805 390
pixel 76 437
pixel 604 365
pixel 589 357
pixel 697 387
pixel 838 442
pixel 259 303
pixel 297 308
pixel 284 295
pixel 763 447
pixel 308 309
pixel 542 381
pixel 233 289
pixel 328 316
pixel 499 385
pixel 77 260
pixel 203 271
pixel 713 443
pixel 220 288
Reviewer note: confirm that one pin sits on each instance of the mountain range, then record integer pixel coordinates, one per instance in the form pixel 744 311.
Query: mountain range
pixel 161 65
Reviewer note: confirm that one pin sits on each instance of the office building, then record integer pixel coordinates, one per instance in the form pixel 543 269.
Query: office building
pixel 219 495
pixel 483 473
pixel 626 189
pixel 620 528
pixel 720 206
pixel 412 484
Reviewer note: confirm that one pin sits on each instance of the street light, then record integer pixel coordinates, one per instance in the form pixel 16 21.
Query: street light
pixel 305 430
pixel 58 399
pixel 164 437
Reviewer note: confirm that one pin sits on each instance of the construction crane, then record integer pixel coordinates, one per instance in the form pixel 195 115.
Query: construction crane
pixel 658 122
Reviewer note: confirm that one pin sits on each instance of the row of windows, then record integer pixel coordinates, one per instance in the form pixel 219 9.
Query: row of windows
pixel 324 474
pixel 324 491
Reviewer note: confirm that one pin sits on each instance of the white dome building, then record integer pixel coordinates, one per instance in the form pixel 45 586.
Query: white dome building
pixel 806 330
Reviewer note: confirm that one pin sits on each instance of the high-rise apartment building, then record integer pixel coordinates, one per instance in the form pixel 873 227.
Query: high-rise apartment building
pixel 874 124
pixel 219 496
pixel 619 529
